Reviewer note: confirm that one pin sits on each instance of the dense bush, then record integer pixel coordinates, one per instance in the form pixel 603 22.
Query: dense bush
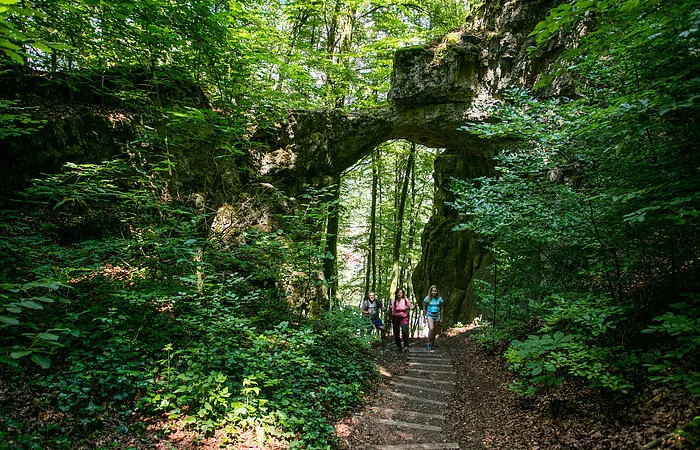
pixel 139 313
pixel 593 215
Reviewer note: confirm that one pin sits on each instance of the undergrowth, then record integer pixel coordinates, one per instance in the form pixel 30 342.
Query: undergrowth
pixel 138 315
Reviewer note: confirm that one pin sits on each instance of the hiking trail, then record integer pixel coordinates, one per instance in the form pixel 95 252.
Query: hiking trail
pixel 408 411
pixel 457 397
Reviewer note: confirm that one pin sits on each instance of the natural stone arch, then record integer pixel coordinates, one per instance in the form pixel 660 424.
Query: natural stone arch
pixel 436 89
pixel 319 145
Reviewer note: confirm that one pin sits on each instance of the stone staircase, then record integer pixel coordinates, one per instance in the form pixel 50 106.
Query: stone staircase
pixel 417 418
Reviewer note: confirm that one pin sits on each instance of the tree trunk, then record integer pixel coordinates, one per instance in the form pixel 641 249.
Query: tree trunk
pixel 330 268
pixel 371 266
pixel 399 222
pixel 412 223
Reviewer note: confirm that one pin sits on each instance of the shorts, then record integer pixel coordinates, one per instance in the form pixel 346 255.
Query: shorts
pixel 378 322
pixel 433 315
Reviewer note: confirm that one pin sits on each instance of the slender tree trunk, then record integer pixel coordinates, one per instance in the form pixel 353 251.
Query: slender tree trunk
pixel 371 266
pixel 399 221
pixel 330 268
pixel 380 230
pixel 412 223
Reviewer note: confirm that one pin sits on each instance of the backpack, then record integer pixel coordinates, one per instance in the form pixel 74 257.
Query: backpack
pixel 375 314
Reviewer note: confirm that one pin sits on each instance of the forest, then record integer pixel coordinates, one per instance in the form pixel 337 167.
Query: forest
pixel 155 280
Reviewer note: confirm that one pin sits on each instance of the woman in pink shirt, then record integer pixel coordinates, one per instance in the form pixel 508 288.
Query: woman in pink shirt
pixel 400 307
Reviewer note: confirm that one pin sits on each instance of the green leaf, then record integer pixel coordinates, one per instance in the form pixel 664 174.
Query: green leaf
pixel 9 45
pixel 48 336
pixel 43 361
pixel 42 47
pixel 31 305
pixel 14 56
pixel 20 354
pixel 9 320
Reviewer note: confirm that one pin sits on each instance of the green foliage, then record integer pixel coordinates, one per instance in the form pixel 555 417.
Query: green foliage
pixel 676 362
pixel 595 206
pixel 356 192
pixel 16 120
pixel 585 314
pixel 448 15
pixel 142 314
pixel 508 313
pixel 305 241
pixel 11 36
pixel 260 56
pixel 543 360
pixel 25 328
pixel 529 359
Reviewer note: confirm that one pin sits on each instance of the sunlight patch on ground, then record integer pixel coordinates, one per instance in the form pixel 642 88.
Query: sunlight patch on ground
pixel 342 430
pixel 459 328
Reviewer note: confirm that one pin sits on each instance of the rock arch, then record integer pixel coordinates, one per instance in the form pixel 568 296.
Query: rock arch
pixel 435 90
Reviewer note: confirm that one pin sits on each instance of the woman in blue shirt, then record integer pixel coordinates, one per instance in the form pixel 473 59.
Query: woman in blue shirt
pixel 432 311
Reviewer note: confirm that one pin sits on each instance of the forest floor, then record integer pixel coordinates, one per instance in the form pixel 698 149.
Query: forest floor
pixel 475 410
pixel 482 413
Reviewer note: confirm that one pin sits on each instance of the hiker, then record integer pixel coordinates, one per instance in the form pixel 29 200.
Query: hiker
pixel 373 306
pixel 400 307
pixel 432 312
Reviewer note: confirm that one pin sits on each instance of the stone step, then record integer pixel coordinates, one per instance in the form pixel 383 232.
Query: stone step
pixel 427 359
pixel 412 415
pixel 416 398
pixel 423 364
pixel 416 387
pixel 402 424
pixel 433 446
pixel 430 371
pixel 407 378
pixel 423 350
pixel 421 360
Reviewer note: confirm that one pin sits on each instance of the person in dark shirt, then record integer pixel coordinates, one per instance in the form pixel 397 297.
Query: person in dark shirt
pixel 373 307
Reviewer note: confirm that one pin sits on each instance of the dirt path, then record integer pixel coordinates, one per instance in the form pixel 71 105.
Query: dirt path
pixel 457 397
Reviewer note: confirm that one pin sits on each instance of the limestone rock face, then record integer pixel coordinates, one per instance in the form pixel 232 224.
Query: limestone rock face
pixel 445 73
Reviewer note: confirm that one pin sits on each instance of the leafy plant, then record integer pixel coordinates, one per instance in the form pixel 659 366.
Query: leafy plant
pixel 530 359
pixel 676 363
pixel 25 328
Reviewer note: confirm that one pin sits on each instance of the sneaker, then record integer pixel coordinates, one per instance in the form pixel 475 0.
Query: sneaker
pixel 405 349
pixel 430 347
